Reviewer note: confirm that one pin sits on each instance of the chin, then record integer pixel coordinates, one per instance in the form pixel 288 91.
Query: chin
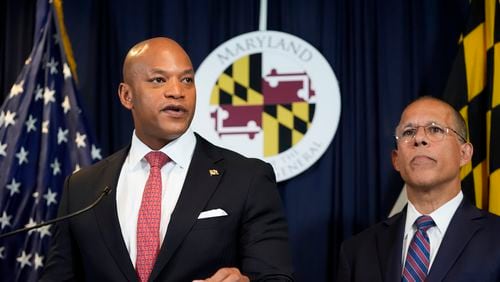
pixel 174 134
pixel 422 180
pixel 426 183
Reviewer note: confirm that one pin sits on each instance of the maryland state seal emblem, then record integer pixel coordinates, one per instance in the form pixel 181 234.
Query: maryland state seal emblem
pixel 269 95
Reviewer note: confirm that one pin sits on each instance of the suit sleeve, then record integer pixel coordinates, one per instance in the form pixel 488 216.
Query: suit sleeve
pixel 62 263
pixel 264 233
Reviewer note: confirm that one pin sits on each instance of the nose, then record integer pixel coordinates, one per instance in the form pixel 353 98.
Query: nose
pixel 174 89
pixel 420 138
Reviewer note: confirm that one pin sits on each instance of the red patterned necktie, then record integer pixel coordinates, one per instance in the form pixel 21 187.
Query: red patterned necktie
pixel 148 223
pixel 418 257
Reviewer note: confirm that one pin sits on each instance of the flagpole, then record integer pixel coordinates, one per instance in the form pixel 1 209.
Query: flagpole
pixel 65 39
pixel 263 15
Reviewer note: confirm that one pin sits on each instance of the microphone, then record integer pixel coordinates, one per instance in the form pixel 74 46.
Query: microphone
pixel 104 192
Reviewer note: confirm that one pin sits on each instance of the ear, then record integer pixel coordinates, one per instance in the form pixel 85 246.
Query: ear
pixel 466 151
pixel 125 94
pixel 394 157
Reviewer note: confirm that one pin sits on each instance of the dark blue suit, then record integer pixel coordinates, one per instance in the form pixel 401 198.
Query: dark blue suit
pixel 253 237
pixel 470 250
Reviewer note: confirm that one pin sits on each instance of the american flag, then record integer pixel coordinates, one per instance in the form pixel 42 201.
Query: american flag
pixel 43 138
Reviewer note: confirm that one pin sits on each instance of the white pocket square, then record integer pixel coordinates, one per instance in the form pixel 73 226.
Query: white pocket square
pixel 212 213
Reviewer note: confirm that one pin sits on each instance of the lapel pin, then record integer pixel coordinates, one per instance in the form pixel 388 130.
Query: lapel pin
pixel 213 172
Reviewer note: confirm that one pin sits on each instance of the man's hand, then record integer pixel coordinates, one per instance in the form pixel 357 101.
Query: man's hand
pixel 227 274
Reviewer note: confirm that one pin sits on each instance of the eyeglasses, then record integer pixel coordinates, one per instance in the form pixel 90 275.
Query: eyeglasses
pixel 433 131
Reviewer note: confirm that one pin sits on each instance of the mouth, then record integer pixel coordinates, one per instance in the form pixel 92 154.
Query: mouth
pixel 174 110
pixel 422 160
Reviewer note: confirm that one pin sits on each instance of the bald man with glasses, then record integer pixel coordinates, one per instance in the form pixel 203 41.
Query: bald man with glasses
pixel 439 235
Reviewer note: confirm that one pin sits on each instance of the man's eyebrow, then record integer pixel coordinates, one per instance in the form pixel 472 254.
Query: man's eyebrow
pixel 408 124
pixel 162 71
pixel 189 71
pixel 411 124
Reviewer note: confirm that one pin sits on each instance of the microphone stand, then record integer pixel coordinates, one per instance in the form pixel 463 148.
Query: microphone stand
pixel 104 192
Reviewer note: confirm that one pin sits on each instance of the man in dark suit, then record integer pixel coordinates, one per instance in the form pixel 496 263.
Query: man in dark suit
pixel 220 217
pixel 439 236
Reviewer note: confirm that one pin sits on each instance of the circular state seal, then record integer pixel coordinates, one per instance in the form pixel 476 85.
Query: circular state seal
pixel 268 95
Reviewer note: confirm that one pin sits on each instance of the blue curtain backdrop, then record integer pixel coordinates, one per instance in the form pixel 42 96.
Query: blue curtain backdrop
pixel 384 53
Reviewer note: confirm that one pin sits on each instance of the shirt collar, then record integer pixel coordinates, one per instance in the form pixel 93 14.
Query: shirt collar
pixel 179 150
pixel 442 216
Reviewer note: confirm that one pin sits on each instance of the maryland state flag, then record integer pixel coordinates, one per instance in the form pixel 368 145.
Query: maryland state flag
pixel 474 89
pixel 43 138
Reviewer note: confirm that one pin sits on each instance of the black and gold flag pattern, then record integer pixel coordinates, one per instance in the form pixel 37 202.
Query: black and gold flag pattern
pixel 240 83
pixel 248 104
pixel 474 89
pixel 285 125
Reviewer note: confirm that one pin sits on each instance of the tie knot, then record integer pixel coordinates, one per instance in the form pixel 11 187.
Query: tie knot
pixel 424 222
pixel 156 159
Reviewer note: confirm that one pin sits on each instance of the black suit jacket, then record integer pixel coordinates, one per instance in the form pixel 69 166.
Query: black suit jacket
pixel 470 250
pixel 253 237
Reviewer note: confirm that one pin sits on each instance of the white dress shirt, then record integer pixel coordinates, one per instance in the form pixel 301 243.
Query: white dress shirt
pixel 442 217
pixel 133 177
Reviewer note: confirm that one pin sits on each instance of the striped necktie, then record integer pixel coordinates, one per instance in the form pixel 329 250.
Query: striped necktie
pixel 418 257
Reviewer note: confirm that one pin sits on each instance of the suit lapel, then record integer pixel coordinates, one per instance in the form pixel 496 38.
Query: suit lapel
pixel 198 188
pixel 389 247
pixel 107 217
pixel 462 228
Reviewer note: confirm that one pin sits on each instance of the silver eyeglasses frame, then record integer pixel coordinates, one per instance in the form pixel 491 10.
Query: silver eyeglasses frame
pixel 413 130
